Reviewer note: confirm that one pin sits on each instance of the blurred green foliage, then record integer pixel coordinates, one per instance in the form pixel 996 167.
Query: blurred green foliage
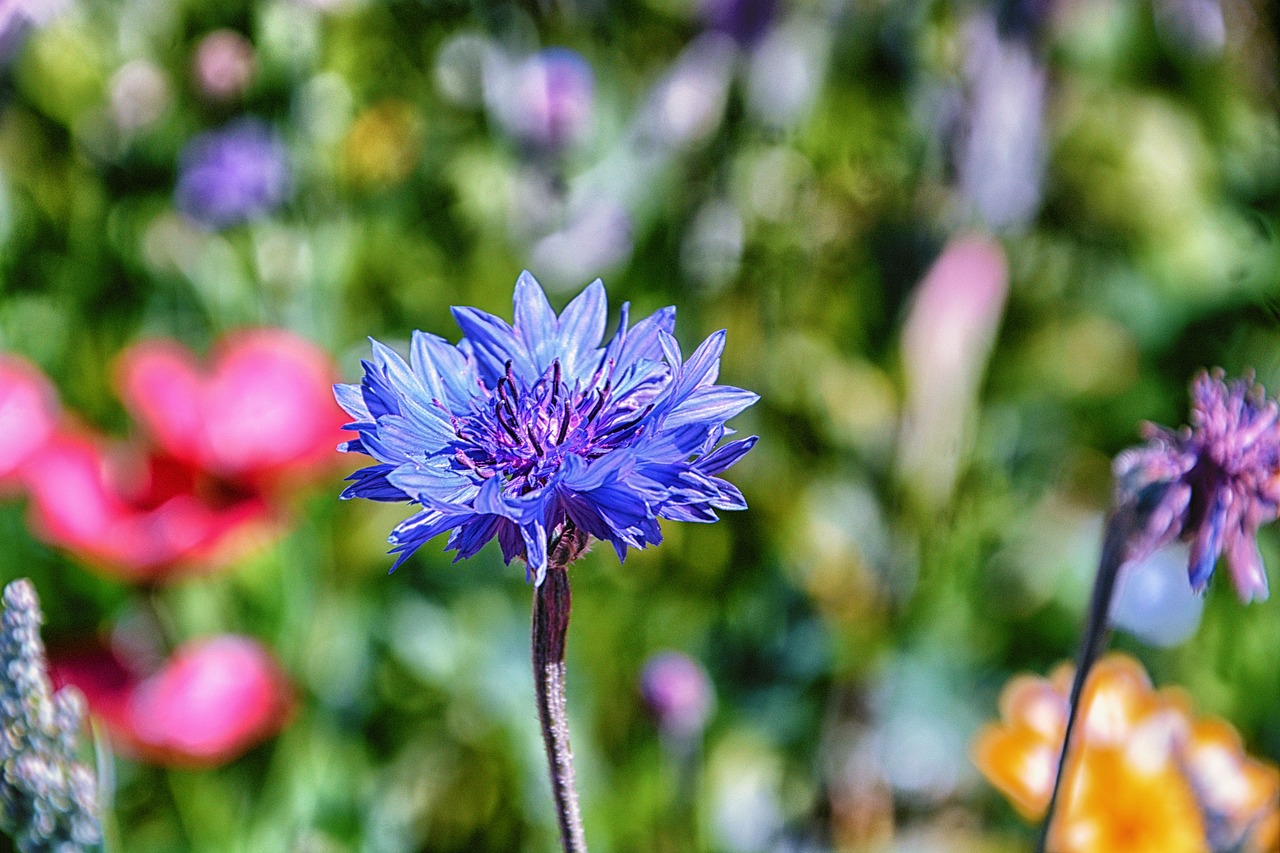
pixel 845 620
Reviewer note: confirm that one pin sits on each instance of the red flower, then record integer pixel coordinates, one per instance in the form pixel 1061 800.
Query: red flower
pixel 144 518
pixel 28 414
pixel 264 411
pixel 209 703
pixel 228 441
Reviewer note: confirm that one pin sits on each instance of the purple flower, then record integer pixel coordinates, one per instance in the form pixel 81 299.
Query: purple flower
pixel 1212 484
pixel 542 433
pixel 745 21
pixel 678 692
pixel 224 64
pixel 548 99
pixel 233 175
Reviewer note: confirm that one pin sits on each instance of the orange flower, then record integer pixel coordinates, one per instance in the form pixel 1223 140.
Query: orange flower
pixel 1121 806
pixel 1144 775
pixel 1240 794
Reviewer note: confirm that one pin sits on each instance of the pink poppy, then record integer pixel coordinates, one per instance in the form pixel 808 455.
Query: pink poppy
pixel 227 443
pixel 261 412
pixel 210 702
pixel 143 517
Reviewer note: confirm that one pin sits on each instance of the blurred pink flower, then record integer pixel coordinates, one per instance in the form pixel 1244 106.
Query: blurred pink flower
pixel 546 101
pixel 678 692
pixel 226 444
pixel 28 414
pixel 211 701
pixel 262 412
pixel 946 341
pixel 224 64
pixel 144 518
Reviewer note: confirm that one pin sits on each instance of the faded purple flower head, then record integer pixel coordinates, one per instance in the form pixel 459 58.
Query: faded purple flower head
pixel 19 17
pixel 678 692
pixel 1213 483
pixel 548 100
pixel 745 21
pixel 224 64
pixel 542 433
pixel 232 175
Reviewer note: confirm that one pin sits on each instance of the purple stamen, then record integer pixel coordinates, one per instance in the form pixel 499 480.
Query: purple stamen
pixel 599 403
pixel 564 424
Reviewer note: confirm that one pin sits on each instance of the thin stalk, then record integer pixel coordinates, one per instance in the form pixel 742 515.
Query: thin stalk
pixel 551 603
pixel 1097 633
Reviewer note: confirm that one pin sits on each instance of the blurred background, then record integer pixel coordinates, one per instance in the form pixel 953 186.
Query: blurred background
pixel 961 248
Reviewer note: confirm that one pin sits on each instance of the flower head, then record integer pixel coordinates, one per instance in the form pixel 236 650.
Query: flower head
pixel 679 693
pixel 1213 483
pixel 542 429
pixel 209 702
pixel 233 175
pixel 224 443
pixel 1146 775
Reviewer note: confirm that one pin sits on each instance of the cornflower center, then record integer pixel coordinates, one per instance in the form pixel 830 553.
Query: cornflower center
pixel 524 433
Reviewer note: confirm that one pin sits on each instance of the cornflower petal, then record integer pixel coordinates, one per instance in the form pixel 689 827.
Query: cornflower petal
pixel 493 343
pixel 725 456
pixel 581 323
pixel 446 374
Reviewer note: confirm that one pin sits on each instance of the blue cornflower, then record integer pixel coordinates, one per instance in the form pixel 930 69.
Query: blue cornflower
pixel 232 175
pixel 542 434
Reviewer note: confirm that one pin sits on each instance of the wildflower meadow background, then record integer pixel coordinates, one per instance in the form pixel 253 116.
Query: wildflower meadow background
pixel 962 250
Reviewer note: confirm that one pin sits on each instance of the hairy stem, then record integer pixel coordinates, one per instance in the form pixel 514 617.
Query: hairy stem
pixel 550 628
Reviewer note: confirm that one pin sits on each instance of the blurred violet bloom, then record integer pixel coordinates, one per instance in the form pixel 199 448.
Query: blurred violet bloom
pixel 226 446
pixel 1000 150
pixel 688 104
pixel 546 101
pixel 232 175
pixel 1212 484
pixel 17 17
pixel 745 21
pixel 1196 26
pixel 207 704
pixel 678 693
pixel 946 341
pixel 224 65
pixel 29 414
